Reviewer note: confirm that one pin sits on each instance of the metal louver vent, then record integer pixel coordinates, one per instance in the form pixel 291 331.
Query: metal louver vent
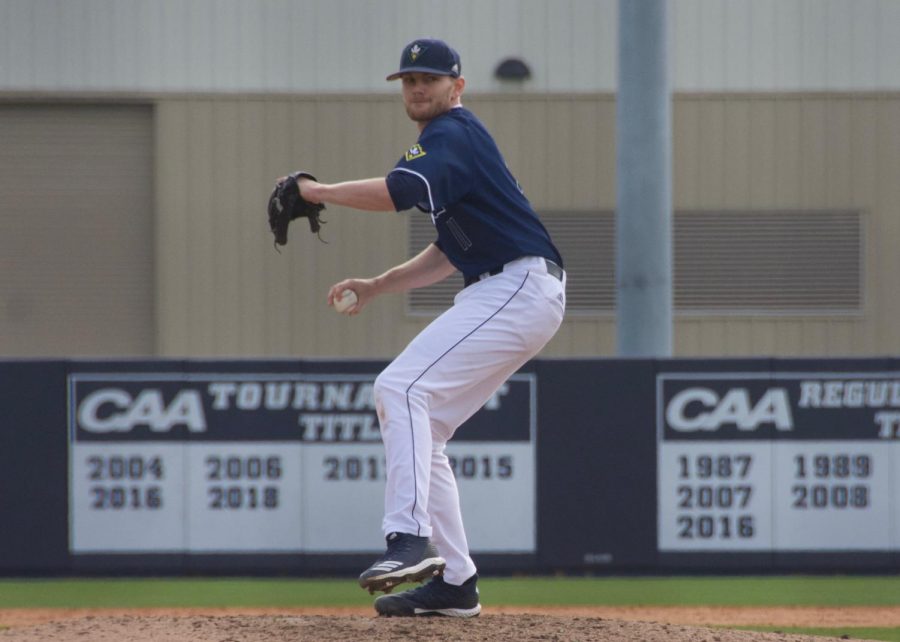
pixel 586 241
pixel 789 261
pixel 725 261
pixel 438 297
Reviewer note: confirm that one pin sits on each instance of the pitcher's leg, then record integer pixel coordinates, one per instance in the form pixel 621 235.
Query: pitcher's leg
pixel 445 374
pixel 402 413
pixel 448 533
pixel 446 365
pixel 410 555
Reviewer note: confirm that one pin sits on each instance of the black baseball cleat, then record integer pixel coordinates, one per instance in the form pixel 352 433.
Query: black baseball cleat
pixel 434 598
pixel 408 558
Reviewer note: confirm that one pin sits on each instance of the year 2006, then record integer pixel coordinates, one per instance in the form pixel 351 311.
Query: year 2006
pixel 243 482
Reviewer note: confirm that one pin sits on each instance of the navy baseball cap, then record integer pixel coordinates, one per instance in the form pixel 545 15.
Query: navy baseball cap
pixel 429 56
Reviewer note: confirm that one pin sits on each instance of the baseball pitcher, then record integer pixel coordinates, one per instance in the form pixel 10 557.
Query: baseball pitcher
pixel 511 305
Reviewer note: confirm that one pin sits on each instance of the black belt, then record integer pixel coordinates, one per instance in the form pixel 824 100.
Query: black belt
pixel 552 269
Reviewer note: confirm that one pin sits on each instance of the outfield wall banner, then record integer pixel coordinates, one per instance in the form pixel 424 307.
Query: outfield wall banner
pixel 799 461
pixel 782 461
pixel 262 462
pixel 589 465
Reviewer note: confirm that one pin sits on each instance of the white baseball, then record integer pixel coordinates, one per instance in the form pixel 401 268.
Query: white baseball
pixel 347 300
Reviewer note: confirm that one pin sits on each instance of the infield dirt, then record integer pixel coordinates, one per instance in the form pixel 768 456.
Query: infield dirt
pixel 522 624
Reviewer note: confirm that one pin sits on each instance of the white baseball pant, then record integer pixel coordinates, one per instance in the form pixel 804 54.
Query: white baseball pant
pixel 441 379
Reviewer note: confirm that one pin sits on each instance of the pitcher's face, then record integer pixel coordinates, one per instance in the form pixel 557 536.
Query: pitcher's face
pixel 427 96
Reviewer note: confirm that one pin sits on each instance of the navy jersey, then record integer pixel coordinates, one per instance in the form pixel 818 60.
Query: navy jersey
pixel 456 173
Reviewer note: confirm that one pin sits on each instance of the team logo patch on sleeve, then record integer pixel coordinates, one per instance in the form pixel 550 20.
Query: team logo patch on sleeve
pixel 414 152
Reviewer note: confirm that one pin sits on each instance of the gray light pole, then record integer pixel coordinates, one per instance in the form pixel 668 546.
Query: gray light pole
pixel 643 182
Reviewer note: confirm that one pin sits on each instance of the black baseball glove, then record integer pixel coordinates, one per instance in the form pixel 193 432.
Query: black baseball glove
pixel 286 204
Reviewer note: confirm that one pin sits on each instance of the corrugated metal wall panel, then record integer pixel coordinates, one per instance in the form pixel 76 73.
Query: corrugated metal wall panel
pixel 737 262
pixel 76 231
pixel 885 263
pixel 316 46
pixel 173 243
pixel 757 262
pixel 815 151
pixel 217 159
pixel 585 239
pixel 234 294
pixel 224 291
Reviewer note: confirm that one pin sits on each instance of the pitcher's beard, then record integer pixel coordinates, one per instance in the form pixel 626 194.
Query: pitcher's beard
pixel 434 109
pixel 422 116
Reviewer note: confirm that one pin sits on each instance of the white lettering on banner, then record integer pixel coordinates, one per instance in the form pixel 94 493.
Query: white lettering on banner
pixel 343 411
pixel 114 410
pixel 849 394
pixel 494 402
pixel 221 393
pixel 733 408
pixel 343 427
pixel 308 395
pixel 343 396
pixel 888 424
pixel 249 396
pixel 278 395
pixel 337 396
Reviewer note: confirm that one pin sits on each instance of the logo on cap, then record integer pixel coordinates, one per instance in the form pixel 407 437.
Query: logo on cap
pixel 429 56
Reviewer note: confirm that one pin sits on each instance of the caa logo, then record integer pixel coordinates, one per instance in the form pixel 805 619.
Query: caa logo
pixel 114 410
pixel 695 409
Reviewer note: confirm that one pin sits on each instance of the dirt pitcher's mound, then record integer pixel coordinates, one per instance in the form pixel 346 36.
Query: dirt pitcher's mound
pixel 277 628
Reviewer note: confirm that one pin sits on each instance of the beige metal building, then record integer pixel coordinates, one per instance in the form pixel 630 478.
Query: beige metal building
pixel 134 178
